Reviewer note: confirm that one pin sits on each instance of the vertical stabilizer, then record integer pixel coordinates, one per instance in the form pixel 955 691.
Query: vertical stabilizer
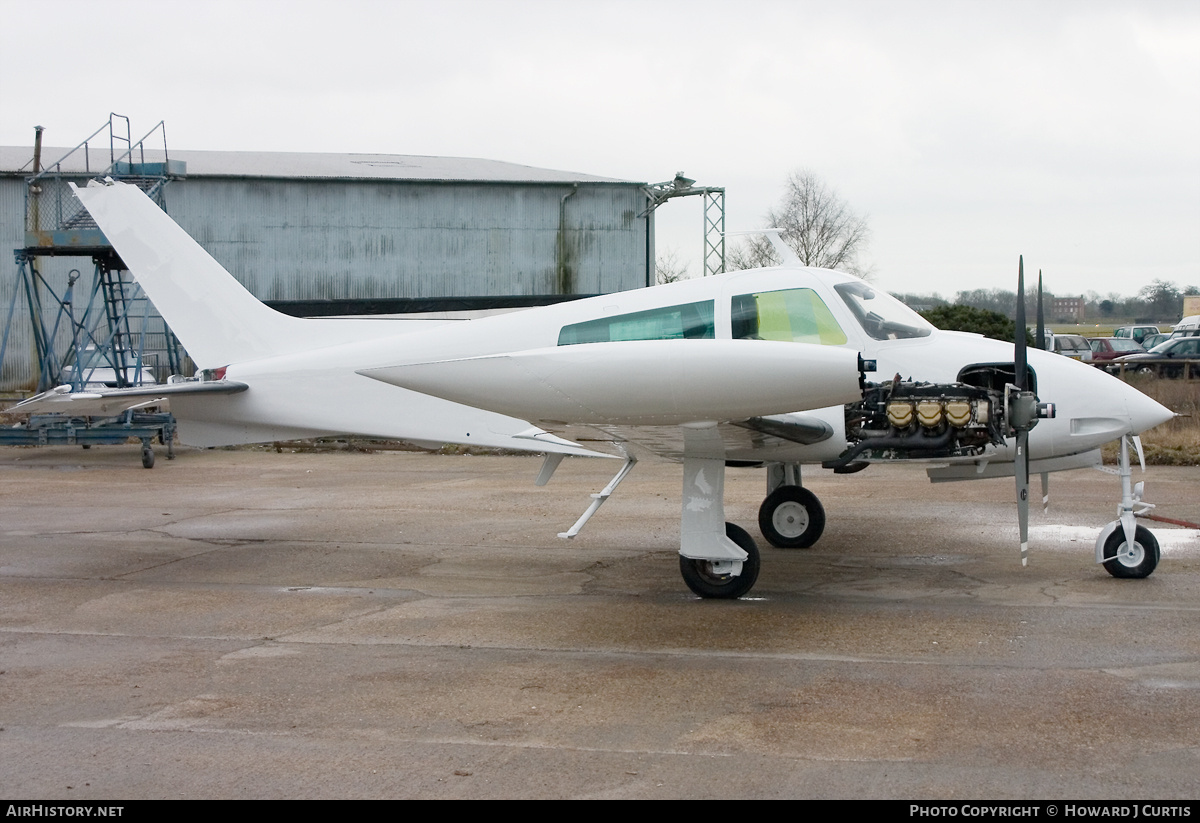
pixel 213 315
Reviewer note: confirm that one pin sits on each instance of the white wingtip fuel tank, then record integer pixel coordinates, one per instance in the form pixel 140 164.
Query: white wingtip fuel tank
pixel 642 382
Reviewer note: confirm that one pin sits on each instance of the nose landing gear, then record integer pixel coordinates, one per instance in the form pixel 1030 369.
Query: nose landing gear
pixel 1126 549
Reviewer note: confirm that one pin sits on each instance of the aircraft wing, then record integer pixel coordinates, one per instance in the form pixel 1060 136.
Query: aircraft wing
pixel 777 438
pixel 102 402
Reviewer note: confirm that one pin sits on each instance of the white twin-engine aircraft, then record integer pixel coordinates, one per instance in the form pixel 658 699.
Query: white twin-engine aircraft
pixel 766 367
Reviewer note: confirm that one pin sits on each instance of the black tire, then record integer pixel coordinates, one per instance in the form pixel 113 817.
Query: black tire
pixel 791 518
pixel 147 457
pixel 700 578
pixel 1143 561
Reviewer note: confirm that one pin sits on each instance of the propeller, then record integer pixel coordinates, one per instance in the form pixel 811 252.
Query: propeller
pixel 1024 410
pixel 1018 419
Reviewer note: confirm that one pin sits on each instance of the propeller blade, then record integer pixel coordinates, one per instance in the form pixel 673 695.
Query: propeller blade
pixel 1022 472
pixel 1041 317
pixel 1019 362
pixel 1045 492
pixel 1021 382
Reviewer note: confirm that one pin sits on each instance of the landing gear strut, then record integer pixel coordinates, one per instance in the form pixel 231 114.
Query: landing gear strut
pixel 717 559
pixel 1126 549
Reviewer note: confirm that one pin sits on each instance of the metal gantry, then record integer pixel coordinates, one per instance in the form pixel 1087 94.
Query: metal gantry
pixel 97 330
pixel 714 231
pixel 714 215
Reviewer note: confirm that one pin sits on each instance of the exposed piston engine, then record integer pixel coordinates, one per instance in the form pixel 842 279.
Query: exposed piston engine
pixel 904 420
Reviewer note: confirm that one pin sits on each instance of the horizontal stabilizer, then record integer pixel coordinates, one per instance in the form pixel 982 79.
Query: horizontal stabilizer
pixel 111 402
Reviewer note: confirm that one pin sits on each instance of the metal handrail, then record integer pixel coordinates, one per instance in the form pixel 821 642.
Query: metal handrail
pixel 140 146
pixel 56 166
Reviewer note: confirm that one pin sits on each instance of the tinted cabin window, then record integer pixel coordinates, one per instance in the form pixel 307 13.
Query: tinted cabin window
pixel 790 316
pixel 693 321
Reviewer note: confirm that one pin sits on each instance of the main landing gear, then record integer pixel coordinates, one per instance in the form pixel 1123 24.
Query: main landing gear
pixel 791 517
pixel 717 559
pixel 720 560
pixel 715 578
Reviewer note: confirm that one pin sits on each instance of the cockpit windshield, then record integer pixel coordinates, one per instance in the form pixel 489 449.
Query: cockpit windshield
pixel 882 316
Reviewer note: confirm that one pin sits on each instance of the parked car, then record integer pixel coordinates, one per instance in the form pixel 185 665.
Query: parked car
pixel 1135 332
pixel 1152 340
pixel 1074 346
pixel 1106 348
pixel 1165 358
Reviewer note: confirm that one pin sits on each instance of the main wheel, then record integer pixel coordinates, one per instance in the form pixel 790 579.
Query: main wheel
pixel 705 579
pixel 1122 562
pixel 147 457
pixel 791 518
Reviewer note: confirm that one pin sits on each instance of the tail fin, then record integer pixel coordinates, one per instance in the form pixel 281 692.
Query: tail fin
pixel 215 318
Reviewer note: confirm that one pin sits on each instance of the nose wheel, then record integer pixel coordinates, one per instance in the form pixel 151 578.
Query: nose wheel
pixel 1136 561
pixel 791 517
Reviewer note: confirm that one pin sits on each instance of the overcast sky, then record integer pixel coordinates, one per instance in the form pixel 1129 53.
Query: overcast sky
pixel 966 132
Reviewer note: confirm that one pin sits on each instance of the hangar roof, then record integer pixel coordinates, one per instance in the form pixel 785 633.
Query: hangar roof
pixel 18 161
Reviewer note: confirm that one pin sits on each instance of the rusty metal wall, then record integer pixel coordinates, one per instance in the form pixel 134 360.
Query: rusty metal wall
pixel 17 369
pixel 351 240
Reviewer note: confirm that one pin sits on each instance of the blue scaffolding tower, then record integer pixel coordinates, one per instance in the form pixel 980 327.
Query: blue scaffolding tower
pixel 99 330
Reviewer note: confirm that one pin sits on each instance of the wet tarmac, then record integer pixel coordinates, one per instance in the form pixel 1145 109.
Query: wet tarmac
pixel 248 624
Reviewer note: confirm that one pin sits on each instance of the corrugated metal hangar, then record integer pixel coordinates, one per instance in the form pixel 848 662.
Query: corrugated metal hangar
pixel 322 234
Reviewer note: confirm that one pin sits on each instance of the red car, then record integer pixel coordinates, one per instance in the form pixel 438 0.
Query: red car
pixel 1106 348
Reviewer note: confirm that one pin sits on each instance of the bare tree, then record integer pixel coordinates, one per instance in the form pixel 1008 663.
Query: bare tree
pixel 668 268
pixel 1162 299
pixel 816 223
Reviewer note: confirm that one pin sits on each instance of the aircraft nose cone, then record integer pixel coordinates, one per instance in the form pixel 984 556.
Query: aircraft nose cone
pixel 1144 412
